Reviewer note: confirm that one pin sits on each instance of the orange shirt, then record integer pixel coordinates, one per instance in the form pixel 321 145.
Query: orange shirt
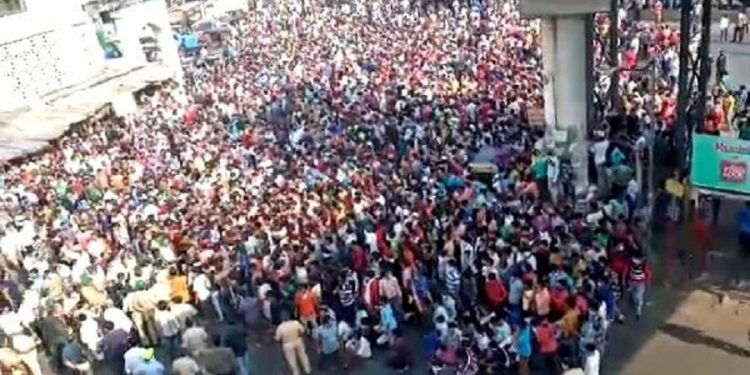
pixel 178 287
pixel 306 303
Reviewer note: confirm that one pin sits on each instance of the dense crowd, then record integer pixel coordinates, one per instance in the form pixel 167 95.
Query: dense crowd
pixel 314 184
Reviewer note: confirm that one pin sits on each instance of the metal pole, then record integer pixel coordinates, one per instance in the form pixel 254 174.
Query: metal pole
pixel 590 113
pixel 705 62
pixel 614 58
pixel 651 165
pixel 683 94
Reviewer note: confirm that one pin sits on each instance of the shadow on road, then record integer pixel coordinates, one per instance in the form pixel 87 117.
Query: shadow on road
pixel 697 337
pixel 724 269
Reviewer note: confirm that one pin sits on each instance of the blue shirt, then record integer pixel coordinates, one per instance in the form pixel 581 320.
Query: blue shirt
pixel 387 318
pixel 152 367
pixel 328 336
pixel 523 343
pixel 73 353
pixel 605 294
pixel 516 291
pixel 431 343
pixel 133 359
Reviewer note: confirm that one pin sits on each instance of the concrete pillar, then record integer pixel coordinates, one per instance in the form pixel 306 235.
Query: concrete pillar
pixel 564 56
pixel 548 63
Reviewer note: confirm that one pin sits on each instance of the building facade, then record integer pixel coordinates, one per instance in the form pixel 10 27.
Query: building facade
pixel 45 46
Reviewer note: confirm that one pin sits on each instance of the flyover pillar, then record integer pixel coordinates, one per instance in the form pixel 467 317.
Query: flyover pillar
pixel 567 60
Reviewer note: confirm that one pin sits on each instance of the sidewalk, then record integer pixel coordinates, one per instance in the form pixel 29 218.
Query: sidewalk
pixel 700 337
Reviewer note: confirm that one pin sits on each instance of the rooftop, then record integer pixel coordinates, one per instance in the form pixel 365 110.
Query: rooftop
pixel 28 130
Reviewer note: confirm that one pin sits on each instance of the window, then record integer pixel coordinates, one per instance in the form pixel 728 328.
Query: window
pixel 11 7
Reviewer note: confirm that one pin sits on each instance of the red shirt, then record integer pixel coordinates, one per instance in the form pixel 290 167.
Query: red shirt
pixel 668 109
pixel 385 251
pixel 582 305
pixel 372 293
pixel 545 335
pixel 495 292
pixel 558 296
pixel 359 259
pixel 630 59
pixel 619 263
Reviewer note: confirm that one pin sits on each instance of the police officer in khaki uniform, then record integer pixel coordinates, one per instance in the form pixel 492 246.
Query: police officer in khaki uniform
pixel 291 332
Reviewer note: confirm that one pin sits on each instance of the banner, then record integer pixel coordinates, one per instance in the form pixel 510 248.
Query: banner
pixel 720 163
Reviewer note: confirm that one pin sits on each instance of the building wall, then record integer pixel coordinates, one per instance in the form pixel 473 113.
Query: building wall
pixel 50 46
pixel 150 18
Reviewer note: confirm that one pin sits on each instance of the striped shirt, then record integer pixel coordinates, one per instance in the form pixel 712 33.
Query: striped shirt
pixel 452 280
pixel 348 291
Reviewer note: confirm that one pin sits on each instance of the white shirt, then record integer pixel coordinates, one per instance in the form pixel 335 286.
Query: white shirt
pixel 593 360
pixel 202 287
pixel 372 241
pixel 118 318
pixel 724 23
pixel 27 233
pixel 344 331
pixel 10 323
pixel 602 314
pixel 363 348
pixel 186 365
pixel 263 290
pixel 166 323
pixel 553 168
pixel 183 311
pixel 633 188
pixel 11 245
pixel 90 333
pixel 27 311
pixel 635 44
pixel 600 151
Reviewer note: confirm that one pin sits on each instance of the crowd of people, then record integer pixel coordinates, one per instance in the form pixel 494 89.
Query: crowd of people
pixel 315 186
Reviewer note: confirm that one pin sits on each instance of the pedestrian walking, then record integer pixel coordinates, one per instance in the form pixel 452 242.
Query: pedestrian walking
pixel 740 28
pixel 291 333
pixel 327 338
pixel 724 29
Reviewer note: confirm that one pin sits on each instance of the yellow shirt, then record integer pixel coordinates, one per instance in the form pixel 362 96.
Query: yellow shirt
pixel 569 323
pixel 728 105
